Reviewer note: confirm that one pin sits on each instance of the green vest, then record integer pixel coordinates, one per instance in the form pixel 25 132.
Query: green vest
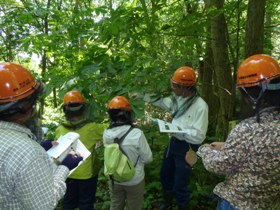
pixel 90 133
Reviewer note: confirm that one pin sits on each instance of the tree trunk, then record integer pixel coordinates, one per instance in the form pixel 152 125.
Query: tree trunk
pixel 222 68
pixel 207 80
pixel 254 37
pixel 44 59
pixel 268 29
pixel 236 57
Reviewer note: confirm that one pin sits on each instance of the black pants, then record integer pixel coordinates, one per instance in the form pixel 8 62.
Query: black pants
pixel 175 172
pixel 80 194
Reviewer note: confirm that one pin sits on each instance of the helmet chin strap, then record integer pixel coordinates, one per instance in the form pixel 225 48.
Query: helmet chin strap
pixel 255 101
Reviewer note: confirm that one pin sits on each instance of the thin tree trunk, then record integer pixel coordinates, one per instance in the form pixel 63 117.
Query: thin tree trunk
pixel 222 68
pixel 268 30
pixel 207 80
pixel 254 37
pixel 236 57
pixel 44 59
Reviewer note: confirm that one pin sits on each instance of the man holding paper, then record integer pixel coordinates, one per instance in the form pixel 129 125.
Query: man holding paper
pixel 190 117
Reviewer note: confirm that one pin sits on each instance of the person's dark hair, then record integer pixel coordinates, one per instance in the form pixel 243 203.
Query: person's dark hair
pixel 120 117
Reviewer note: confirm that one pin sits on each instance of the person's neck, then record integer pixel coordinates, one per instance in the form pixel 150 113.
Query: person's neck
pixel 187 95
pixel 19 118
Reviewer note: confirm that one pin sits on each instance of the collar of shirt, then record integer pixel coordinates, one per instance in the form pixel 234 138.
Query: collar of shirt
pixel 17 127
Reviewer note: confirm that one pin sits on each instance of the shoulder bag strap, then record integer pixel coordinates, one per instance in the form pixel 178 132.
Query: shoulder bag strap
pixel 120 140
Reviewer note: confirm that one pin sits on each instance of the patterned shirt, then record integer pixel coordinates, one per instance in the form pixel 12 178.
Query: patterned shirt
pixel 250 159
pixel 27 180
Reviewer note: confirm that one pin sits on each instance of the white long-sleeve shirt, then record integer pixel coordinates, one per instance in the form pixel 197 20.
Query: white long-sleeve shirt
pixel 194 120
pixel 134 145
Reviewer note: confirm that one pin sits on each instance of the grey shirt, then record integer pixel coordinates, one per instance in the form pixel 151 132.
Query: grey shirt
pixel 135 145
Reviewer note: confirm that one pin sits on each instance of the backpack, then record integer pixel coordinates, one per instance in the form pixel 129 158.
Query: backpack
pixel 117 166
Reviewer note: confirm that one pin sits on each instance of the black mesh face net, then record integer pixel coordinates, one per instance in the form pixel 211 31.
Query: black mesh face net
pixel 120 117
pixel 73 110
pixel 265 94
pixel 20 106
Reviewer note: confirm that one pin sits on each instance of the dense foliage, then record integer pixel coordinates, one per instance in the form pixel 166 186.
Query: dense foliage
pixel 108 48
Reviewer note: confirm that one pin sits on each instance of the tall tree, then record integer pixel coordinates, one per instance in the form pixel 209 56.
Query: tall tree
pixel 208 90
pixel 221 66
pixel 254 38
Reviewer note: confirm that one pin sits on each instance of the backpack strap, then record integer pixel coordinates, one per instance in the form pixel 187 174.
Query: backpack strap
pixel 120 140
pixel 136 161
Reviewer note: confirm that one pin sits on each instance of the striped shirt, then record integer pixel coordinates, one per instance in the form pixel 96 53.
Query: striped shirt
pixel 27 180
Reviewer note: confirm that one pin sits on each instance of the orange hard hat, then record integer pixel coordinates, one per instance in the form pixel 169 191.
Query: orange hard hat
pixel 184 76
pixel 119 102
pixel 16 82
pixel 73 97
pixel 257 69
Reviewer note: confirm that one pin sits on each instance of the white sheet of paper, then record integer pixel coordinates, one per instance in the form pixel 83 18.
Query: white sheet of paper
pixel 81 150
pixel 166 127
pixel 64 145
pixel 69 141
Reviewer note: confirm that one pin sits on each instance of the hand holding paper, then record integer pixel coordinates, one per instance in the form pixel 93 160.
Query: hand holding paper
pixel 70 142
pixel 48 144
pixel 166 127
pixel 71 161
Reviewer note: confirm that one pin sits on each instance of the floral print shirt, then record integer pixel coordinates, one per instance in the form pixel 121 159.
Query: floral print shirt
pixel 250 159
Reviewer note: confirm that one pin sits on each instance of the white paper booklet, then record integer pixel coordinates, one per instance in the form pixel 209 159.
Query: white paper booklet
pixel 70 141
pixel 166 127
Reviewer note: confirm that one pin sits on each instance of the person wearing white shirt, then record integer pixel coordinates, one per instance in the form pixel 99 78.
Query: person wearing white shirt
pixel 189 112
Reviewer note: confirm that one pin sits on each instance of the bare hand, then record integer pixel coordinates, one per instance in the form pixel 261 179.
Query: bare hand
pixel 217 145
pixel 54 143
pixel 74 154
